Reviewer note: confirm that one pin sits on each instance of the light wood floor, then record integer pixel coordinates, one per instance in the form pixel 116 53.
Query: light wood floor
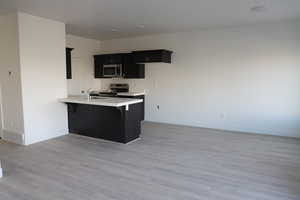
pixel 169 162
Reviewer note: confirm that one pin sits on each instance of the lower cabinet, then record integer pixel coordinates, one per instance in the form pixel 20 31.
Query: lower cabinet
pixel 110 123
pixel 141 105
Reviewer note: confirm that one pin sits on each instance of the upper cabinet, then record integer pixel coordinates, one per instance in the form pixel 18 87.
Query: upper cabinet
pixel 111 59
pixel 99 61
pixel 152 56
pixel 69 62
pixel 131 63
pixel 106 59
pixel 131 69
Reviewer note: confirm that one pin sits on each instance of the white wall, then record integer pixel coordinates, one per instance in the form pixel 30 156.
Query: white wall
pixel 82 64
pixel 10 85
pixel 1 114
pixel 243 79
pixel 43 74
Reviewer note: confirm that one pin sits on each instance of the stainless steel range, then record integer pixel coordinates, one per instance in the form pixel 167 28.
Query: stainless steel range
pixel 113 90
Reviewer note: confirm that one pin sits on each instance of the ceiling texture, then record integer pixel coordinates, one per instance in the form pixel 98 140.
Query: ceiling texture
pixel 108 19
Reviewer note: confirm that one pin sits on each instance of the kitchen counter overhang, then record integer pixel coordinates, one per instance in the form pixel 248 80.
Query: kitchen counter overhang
pixel 102 101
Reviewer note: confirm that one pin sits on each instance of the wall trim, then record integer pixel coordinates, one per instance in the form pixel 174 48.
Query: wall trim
pixel 14 137
pixel 46 136
pixel 229 128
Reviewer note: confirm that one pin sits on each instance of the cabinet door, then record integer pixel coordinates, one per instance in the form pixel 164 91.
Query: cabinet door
pixel 110 59
pixel 131 69
pixel 134 71
pixel 152 56
pixel 98 61
pixel 69 63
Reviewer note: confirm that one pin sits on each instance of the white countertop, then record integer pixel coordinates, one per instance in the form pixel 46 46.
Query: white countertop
pixel 132 94
pixel 101 101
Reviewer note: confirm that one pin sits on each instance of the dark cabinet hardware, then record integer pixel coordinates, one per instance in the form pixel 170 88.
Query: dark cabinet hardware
pixel 69 62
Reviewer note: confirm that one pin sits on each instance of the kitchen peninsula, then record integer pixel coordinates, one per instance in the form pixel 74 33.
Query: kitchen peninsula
pixel 110 118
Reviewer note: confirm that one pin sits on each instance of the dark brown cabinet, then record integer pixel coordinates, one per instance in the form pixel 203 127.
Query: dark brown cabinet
pixel 106 59
pixel 152 56
pixel 99 62
pixel 110 123
pixel 110 59
pixel 131 69
pixel 141 105
pixel 69 62
pixel 132 63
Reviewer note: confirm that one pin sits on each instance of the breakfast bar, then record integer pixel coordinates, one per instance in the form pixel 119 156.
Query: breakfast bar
pixel 109 118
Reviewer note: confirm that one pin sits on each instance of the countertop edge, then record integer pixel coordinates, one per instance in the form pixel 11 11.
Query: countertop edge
pixel 99 103
pixel 132 94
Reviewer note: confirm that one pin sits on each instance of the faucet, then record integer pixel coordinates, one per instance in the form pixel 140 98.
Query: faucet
pixel 89 91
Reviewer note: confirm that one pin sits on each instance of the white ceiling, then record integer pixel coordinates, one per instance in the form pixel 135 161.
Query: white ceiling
pixel 107 19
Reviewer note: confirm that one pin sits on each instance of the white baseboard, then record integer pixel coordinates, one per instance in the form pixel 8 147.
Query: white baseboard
pixel 233 128
pixel 10 136
pixel 43 136
pixel 18 138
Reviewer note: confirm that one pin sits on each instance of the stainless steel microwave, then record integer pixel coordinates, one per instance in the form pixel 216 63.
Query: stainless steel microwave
pixel 112 70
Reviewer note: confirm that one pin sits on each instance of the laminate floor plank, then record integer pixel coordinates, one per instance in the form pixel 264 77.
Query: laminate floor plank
pixel 170 162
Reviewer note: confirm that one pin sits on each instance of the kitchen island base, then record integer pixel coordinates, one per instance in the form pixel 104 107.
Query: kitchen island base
pixel 119 124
